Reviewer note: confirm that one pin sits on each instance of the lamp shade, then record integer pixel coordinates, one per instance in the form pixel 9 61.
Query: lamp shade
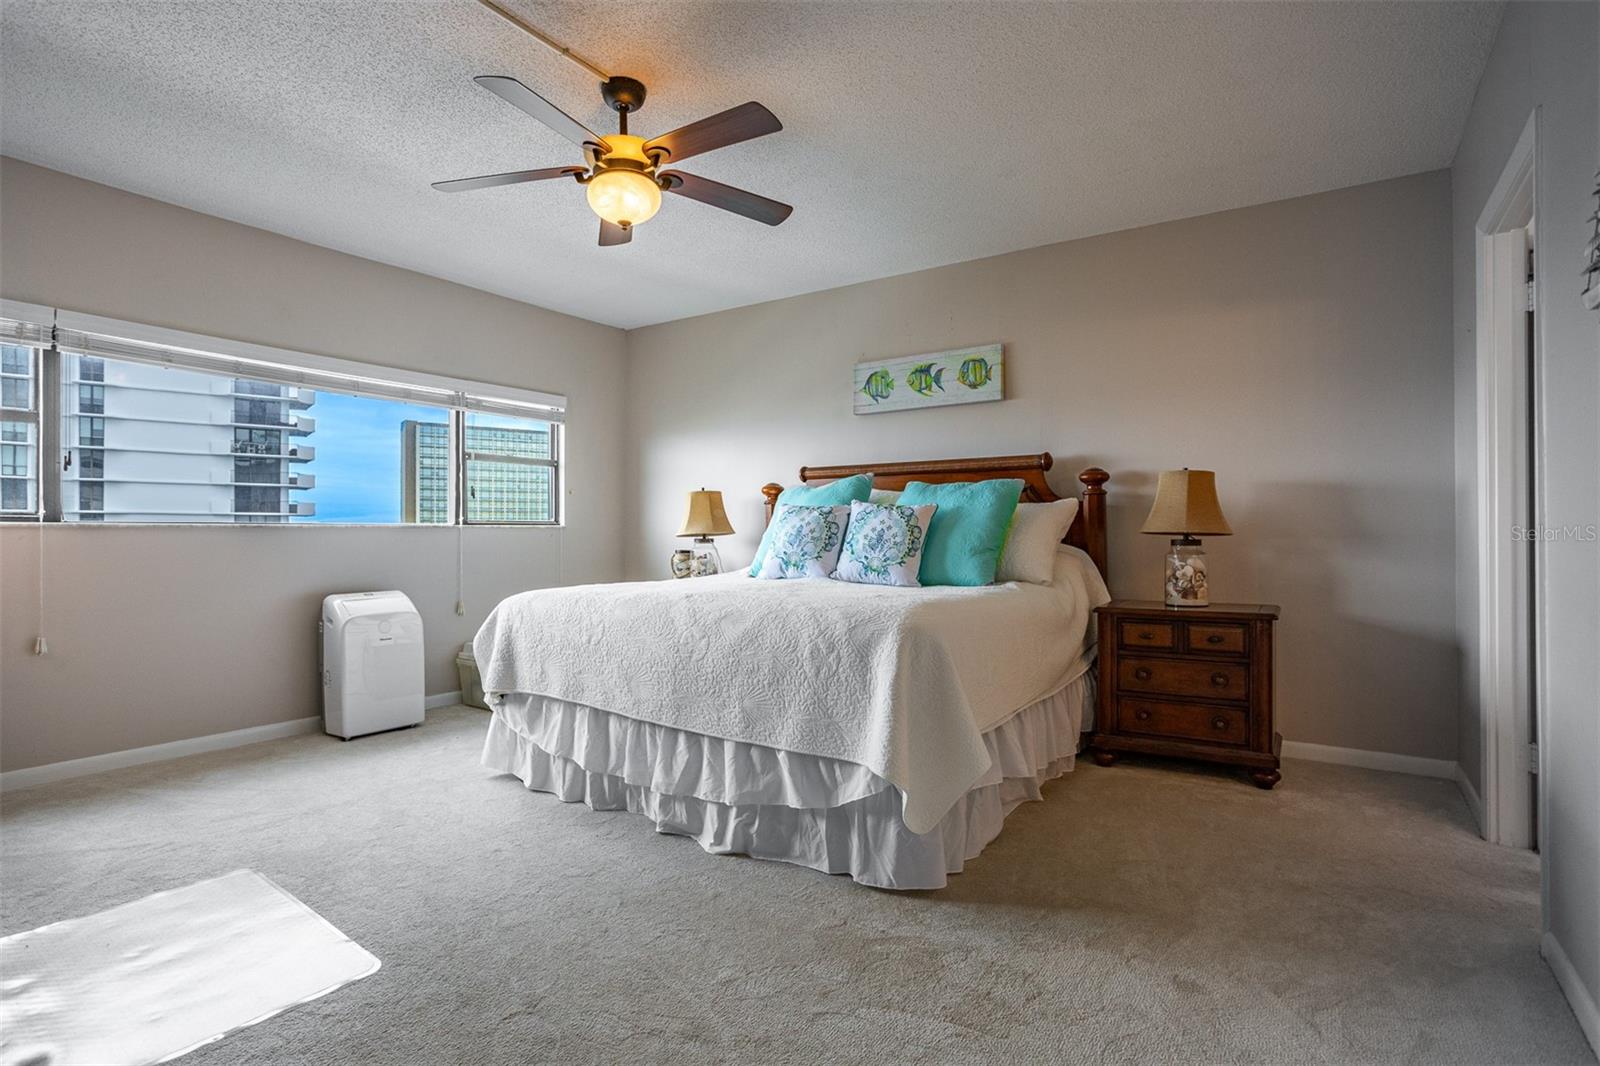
pixel 705 516
pixel 1186 503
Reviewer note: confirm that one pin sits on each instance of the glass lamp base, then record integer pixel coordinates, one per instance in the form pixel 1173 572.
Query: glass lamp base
pixel 1186 580
pixel 707 560
pixel 702 560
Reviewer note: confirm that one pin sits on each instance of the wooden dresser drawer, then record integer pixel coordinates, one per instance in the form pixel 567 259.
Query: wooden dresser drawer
pixel 1188 721
pixel 1215 638
pixel 1184 677
pixel 1137 634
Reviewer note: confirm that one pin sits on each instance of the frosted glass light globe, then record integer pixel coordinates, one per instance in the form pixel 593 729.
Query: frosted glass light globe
pixel 624 196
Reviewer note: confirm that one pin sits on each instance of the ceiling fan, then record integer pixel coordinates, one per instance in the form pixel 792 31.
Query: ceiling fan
pixel 622 173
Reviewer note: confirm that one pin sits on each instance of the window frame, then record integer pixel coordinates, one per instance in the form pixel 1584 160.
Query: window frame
pixel 460 489
pixel 49 411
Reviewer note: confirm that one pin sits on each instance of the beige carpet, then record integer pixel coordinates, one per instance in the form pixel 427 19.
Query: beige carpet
pixel 1141 913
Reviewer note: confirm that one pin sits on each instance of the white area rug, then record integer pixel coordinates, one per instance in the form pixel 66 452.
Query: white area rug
pixel 163 975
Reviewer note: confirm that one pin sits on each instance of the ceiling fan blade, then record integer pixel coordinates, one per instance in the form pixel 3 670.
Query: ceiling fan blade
pixel 727 197
pixel 611 234
pixel 736 124
pixel 511 178
pixel 525 99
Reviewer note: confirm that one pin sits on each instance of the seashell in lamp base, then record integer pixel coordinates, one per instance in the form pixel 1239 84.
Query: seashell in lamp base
pixel 1187 583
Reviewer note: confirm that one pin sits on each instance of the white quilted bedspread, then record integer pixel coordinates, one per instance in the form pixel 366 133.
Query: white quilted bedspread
pixel 903 681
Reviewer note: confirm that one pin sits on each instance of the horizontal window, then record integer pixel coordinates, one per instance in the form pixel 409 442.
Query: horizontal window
pixel 14 460
pixel 16 393
pixel 91 462
pixel 178 435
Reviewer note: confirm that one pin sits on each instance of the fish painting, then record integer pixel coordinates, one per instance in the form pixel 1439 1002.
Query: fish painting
pixel 975 373
pixel 927 379
pixel 924 379
pixel 880 383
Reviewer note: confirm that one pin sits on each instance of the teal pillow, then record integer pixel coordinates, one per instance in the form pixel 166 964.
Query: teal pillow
pixel 969 529
pixel 841 493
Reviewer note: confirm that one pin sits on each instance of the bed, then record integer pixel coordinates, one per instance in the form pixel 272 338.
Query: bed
pixel 879 732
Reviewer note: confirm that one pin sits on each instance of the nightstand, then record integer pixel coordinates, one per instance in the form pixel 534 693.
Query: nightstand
pixel 1189 682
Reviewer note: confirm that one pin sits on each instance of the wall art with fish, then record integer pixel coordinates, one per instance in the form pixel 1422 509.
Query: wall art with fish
pixel 965 375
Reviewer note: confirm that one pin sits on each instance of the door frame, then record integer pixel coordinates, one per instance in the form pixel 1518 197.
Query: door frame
pixel 1507 403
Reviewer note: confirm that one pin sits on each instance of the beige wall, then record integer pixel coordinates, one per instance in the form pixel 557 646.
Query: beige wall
pixel 164 634
pixel 1301 349
pixel 1545 57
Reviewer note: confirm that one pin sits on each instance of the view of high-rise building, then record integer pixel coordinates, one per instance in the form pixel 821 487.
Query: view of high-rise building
pixel 424 472
pixel 508 469
pixel 19 430
pixel 146 443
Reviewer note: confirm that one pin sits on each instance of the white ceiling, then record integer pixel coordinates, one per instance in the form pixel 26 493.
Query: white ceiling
pixel 916 134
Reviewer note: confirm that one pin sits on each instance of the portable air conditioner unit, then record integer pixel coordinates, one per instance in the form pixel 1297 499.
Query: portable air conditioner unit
pixel 371 663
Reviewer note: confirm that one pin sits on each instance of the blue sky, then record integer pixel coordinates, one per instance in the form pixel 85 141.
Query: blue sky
pixel 358 456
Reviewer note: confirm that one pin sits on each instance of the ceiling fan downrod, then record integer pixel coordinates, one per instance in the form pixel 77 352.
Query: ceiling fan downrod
pixel 545 39
pixel 623 95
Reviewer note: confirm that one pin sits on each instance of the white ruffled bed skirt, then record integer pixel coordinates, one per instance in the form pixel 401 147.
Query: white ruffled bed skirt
pixel 736 798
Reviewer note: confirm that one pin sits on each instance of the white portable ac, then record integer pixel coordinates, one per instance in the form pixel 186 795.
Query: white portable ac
pixel 371 663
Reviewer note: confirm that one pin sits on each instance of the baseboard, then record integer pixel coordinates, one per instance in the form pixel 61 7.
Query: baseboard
pixel 1581 999
pixel 177 749
pixel 30 776
pixel 1371 760
pixel 1474 801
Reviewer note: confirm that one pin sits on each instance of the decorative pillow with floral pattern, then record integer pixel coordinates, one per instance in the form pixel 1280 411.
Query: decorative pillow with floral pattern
pixel 804 542
pixel 883 544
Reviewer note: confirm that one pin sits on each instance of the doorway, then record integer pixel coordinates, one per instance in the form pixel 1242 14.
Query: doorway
pixel 1508 487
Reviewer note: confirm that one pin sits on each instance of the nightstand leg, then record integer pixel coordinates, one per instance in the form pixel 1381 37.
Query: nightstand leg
pixel 1106 758
pixel 1265 778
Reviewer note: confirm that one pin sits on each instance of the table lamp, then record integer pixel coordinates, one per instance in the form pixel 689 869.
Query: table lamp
pixel 1186 504
pixel 704 519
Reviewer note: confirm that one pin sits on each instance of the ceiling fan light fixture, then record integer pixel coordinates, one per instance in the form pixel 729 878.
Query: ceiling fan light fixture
pixel 624 197
pixel 622 190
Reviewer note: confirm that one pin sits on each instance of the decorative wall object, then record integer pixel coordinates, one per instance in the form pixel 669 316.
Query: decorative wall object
pixel 964 375
pixel 1591 254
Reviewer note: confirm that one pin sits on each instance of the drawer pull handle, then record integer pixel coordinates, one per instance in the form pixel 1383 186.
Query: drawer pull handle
pixel 1143 714
pixel 1219 722
pixel 1215 638
pixel 1147 635
pixel 1142 673
pixel 1219 679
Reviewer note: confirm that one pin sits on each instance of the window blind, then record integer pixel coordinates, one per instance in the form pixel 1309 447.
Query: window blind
pixel 93 335
pixel 32 334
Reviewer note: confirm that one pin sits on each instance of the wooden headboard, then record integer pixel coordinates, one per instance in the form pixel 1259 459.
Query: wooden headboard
pixel 1088 529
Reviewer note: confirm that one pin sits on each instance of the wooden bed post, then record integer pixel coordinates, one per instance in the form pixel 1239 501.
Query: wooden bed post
pixel 771 490
pixel 1094 515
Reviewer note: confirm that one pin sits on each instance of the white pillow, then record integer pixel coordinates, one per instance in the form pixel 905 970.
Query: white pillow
pixel 1036 532
pixel 884 497
pixel 805 542
pixel 883 545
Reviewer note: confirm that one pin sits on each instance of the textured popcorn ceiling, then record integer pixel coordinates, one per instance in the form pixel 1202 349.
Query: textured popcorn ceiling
pixel 915 134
